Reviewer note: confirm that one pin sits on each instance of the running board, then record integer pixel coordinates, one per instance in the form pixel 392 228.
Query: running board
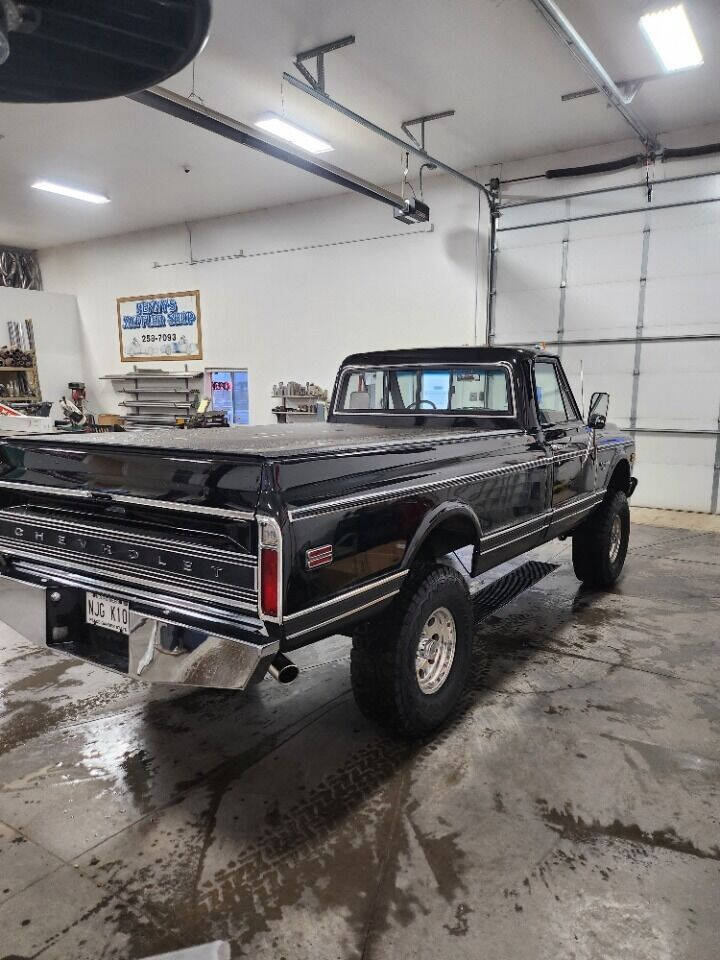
pixel 505 589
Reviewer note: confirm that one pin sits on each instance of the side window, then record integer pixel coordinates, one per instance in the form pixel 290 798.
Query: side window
pixel 549 394
pixel 363 390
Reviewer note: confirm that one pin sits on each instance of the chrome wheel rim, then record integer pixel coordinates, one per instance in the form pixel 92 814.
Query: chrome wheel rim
pixel 615 538
pixel 436 650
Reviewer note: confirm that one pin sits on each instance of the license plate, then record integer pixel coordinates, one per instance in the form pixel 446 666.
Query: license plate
pixel 107 612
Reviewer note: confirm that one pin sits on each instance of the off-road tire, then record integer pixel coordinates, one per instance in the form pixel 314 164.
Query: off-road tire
pixel 592 554
pixel 382 662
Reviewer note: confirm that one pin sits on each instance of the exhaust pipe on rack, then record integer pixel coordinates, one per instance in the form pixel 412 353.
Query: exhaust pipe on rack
pixel 283 670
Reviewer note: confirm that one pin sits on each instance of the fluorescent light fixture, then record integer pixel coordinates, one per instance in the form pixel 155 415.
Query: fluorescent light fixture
pixel 671 35
pixel 288 131
pixel 69 192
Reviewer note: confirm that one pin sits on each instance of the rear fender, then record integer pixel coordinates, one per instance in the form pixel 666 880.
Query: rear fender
pixel 443 529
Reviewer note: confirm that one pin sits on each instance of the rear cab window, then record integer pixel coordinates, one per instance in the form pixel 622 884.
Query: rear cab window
pixel 473 390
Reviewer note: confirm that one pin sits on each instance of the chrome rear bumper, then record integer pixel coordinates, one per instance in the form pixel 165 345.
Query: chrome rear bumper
pixel 160 648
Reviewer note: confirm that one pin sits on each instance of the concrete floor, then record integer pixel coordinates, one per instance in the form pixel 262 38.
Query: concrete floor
pixel 570 810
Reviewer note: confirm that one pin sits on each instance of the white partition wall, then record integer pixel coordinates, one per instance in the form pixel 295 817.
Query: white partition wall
pixel 58 341
pixel 628 292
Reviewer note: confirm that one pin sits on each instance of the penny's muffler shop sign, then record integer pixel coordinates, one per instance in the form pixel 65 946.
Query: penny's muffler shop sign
pixel 158 326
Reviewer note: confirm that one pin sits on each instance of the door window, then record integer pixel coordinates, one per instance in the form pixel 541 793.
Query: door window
pixel 549 394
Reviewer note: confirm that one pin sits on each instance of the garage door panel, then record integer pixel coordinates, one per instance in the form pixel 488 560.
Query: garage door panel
pixel 601 259
pixel 604 368
pixel 674 472
pixel 671 487
pixel 680 305
pixel 684 251
pixel 527 317
pixel 632 223
pixel 535 269
pixel 532 237
pixel 601 310
pixel 679 385
pixel 684 191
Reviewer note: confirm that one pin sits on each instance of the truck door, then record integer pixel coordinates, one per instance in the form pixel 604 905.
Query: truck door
pixel 568 441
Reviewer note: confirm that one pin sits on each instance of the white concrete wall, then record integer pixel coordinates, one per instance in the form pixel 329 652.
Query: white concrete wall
pixel 289 315
pixel 56 325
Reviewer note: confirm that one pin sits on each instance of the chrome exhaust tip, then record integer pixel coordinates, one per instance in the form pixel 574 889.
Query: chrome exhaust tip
pixel 283 670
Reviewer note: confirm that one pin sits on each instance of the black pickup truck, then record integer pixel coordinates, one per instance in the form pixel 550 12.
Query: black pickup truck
pixel 203 557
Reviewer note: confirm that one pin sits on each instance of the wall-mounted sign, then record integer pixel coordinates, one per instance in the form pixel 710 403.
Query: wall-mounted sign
pixel 163 326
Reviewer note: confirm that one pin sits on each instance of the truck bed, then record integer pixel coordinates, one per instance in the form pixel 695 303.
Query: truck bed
pixel 274 441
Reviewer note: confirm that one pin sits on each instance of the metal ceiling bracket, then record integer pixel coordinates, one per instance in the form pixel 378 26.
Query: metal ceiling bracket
pixel 628 88
pixel 381 132
pixel 581 52
pixel 422 121
pixel 318 55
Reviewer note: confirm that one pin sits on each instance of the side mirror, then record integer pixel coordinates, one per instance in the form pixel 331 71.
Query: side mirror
pixel 599 405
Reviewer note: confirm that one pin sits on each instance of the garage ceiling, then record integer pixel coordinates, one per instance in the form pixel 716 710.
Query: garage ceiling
pixel 494 61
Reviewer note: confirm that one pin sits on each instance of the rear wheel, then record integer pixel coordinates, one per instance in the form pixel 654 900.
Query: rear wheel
pixel 410 668
pixel 600 544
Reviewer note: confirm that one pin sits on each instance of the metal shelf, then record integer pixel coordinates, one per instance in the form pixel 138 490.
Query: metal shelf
pixel 299 396
pixel 153 390
pixel 154 375
pixel 151 396
pixel 156 403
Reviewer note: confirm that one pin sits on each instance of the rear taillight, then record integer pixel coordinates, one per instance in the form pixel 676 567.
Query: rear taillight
pixel 270 568
pixel 269 582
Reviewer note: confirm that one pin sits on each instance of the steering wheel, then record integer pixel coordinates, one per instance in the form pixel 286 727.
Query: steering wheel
pixel 416 403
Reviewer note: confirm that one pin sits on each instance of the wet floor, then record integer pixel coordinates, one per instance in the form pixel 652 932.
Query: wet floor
pixel 571 809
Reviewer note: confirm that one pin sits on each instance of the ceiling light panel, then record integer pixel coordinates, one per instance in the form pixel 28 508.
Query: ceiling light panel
pixel 279 127
pixel 671 35
pixel 71 192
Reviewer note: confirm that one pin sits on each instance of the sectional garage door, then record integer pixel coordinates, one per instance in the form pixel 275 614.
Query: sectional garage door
pixel 628 293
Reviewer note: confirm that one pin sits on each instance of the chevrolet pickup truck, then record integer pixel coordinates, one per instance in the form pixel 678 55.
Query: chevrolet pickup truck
pixel 204 557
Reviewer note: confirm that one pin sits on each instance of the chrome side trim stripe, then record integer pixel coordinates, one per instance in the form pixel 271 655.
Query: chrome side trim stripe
pixel 329 506
pixel 577 513
pixel 350 593
pixel 581 498
pixel 516 526
pixel 343 616
pixel 132 501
